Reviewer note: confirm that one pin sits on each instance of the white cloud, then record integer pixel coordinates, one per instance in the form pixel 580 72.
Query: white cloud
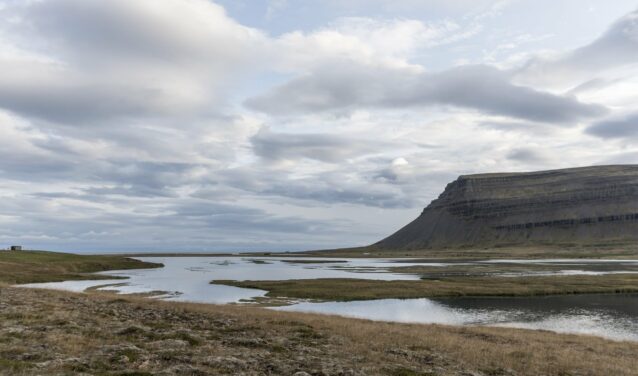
pixel 120 58
pixel 617 47
pixel 371 42
pixel 125 123
pixel 352 86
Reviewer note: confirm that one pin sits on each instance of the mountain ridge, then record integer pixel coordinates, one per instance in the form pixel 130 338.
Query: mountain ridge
pixel 579 205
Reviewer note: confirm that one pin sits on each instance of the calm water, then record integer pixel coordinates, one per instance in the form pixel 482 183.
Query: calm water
pixel 187 279
pixel 610 316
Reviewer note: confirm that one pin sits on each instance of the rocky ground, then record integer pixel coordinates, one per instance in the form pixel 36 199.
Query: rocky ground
pixel 45 332
pixel 56 333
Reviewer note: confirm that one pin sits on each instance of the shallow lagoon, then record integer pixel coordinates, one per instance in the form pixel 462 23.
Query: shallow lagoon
pixel 187 279
pixel 609 316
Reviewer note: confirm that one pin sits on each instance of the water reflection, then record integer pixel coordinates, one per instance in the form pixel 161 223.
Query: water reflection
pixel 609 316
pixel 188 279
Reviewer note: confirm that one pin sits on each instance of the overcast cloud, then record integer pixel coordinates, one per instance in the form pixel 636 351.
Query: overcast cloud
pixel 476 87
pixel 197 125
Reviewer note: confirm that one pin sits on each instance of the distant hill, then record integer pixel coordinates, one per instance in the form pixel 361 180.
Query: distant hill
pixel 587 205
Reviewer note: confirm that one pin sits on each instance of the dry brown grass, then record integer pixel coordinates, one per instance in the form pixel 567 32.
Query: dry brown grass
pixel 52 332
pixel 487 349
pixel 271 342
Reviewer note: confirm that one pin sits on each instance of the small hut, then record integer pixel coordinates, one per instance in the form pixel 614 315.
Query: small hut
pixel 16 248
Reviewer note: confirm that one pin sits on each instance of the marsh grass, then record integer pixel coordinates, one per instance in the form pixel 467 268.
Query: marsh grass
pixel 53 332
pixel 343 289
pixel 39 266
pixel 294 261
pixel 610 250
pixel 540 251
pixel 496 269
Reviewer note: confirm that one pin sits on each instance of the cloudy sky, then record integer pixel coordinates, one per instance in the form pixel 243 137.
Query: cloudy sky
pixel 194 125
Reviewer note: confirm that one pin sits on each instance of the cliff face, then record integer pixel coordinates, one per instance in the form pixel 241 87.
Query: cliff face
pixel 579 205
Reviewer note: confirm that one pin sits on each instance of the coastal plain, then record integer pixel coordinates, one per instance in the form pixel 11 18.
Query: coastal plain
pixel 59 333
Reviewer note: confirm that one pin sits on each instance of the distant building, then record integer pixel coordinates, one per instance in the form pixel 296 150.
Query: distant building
pixel 16 248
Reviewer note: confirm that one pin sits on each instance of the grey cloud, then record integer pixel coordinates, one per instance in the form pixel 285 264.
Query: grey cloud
pixel 114 144
pixel 594 84
pixel 117 141
pixel 198 224
pixel 488 89
pixel 16 165
pixel 332 187
pixel 26 161
pixel 536 128
pixel 112 180
pixel 105 176
pixel 79 103
pixel 322 147
pixel 527 155
pixel 128 190
pixel 477 87
pixel 333 194
pixel 387 175
pixel 620 158
pixel 93 30
pixel 150 174
pixel 617 47
pixel 119 59
pixel 626 127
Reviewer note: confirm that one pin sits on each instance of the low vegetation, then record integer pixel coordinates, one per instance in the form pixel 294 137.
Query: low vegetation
pixel 39 266
pixel 293 261
pixel 568 250
pixel 343 289
pixel 612 250
pixel 56 333
pixel 507 269
pixel 100 333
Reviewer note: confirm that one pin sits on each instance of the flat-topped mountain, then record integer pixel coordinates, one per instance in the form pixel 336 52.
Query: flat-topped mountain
pixel 588 205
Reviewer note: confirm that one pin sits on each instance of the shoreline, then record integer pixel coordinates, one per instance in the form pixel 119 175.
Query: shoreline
pixel 27 267
pixel 111 334
pixel 121 335
pixel 350 289
pixel 23 267
pixel 629 251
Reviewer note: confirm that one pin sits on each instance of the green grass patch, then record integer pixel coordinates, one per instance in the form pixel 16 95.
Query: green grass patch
pixel 314 261
pixel 15 366
pixel 537 251
pixel 18 267
pixel 402 371
pixel 335 289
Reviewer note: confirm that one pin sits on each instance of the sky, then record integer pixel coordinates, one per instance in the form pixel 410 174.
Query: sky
pixel 247 125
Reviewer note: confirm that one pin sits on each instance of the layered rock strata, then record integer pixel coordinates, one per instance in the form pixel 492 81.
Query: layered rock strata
pixel 578 205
